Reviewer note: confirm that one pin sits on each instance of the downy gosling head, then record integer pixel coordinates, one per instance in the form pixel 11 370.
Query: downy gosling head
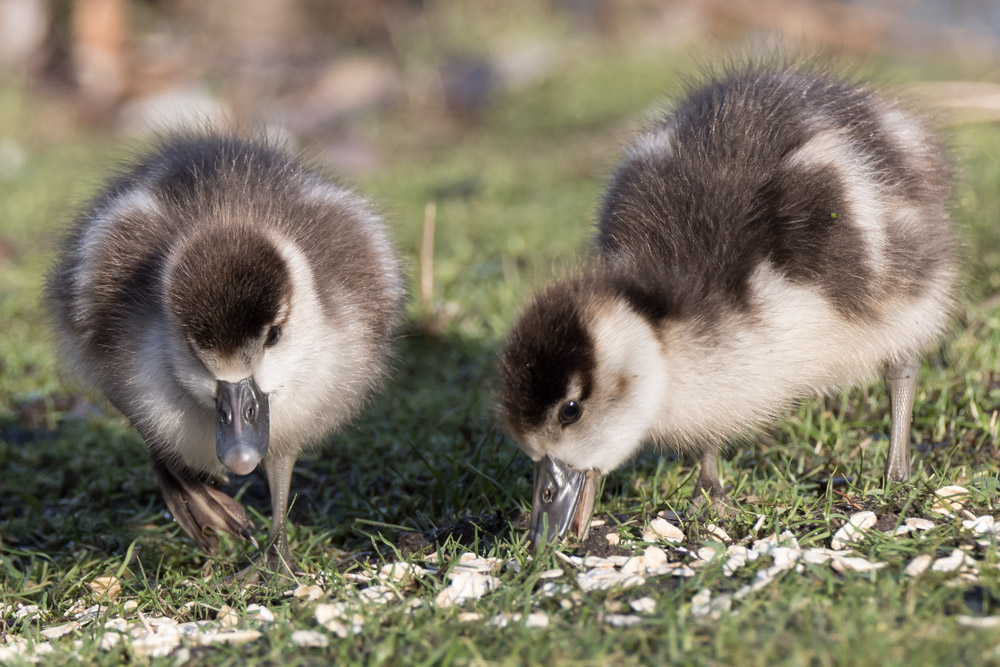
pixel 783 233
pixel 236 307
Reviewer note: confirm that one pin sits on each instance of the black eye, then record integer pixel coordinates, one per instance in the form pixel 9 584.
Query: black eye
pixel 273 334
pixel 570 412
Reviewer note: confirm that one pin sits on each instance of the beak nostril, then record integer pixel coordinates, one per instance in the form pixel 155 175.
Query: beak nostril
pixel 224 415
pixel 250 413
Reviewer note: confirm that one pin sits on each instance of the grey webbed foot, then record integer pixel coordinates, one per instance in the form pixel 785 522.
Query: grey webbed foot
pixel 901 382
pixel 200 509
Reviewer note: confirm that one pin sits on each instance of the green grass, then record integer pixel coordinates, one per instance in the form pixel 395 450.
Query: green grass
pixel 515 194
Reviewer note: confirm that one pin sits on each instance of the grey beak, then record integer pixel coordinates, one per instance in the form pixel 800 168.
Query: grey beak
pixel 242 425
pixel 562 499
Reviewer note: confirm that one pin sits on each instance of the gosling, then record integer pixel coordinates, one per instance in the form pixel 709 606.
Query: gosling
pixel 236 307
pixel 783 233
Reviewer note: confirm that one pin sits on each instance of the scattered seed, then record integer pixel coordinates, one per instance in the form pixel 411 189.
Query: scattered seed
pixel 57 631
pixel 227 617
pixel 622 620
pixel 855 564
pixel 156 644
pixel 400 572
pixel 957 561
pixel 28 612
pixel 950 499
pixel 613 538
pixel 469 617
pixel 983 622
pixel 503 620
pixel 765 544
pixel 329 611
pixel 476 564
pixel 107 642
pixel 554 573
pixel 195 628
pixel 706 554
pixel 119 624
pixel 703 605
pixel 918 565
pixel 919 523
pixel 643 605
pixel 466 586
pixel 308 592
pixel 378 594
pixel 737 558
pixel 232 638
pixel 817 556
pixel 603 579
pixel 655 557
pixel 853 531
pixel 785 557
pixel 261 613
pixel 982 525
pixel 106 587
pixel 537 619
pixel 551 589
pixel 718 532
pixel 661 528
pixel 310 639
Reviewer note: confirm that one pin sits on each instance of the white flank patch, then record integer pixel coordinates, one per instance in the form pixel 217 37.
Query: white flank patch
pixel 137 201
pixel 866 209
pixel 908 135
pixel 797 345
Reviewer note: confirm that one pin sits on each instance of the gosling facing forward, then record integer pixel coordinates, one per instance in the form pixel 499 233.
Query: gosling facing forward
pixel 236 307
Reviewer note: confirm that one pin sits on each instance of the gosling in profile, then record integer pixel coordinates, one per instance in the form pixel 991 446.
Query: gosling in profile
pixel 236 307
pixel 783 233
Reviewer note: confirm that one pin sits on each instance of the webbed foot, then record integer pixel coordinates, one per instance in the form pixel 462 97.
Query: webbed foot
pixel 201 510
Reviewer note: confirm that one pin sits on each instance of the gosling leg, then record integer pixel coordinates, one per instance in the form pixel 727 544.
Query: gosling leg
pixel 708 484
pixel 279 478
pixel 277 559
pixel 901 381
